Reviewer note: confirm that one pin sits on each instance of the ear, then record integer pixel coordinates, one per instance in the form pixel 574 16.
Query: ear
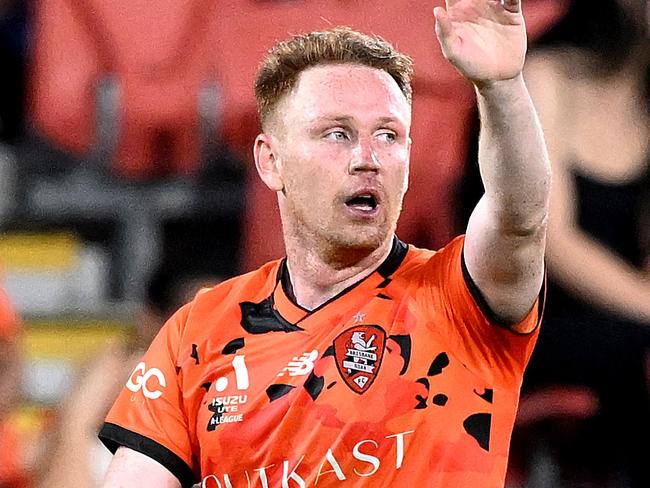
pixel 408 162
pixel 266 162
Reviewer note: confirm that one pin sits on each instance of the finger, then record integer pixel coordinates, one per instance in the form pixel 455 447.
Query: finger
pixel 444 30
pixel 513 6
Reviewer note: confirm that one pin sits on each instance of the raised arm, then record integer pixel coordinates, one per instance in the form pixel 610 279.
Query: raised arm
pixel 505 240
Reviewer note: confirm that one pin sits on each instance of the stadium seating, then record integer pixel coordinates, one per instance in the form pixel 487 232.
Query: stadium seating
pixel 124 82
pixel 143 93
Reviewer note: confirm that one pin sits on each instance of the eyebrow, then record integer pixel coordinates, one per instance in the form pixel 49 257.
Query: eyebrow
pixel 347 119
pixel 333 118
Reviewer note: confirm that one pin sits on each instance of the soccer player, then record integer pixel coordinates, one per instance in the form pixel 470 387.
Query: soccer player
pixel 357 360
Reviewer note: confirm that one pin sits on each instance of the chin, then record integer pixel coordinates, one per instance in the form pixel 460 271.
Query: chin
pixel 360 238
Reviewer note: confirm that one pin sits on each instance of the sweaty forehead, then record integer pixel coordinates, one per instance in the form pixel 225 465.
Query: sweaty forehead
pixel 346 89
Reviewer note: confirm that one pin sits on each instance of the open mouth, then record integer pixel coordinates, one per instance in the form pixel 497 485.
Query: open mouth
pixel 364 202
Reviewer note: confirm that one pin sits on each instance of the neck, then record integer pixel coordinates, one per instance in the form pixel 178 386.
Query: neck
pixel 316 276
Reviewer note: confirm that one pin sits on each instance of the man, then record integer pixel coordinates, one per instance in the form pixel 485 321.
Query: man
pixel 357 360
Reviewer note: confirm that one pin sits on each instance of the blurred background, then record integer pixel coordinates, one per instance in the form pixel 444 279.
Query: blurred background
pixel 127 183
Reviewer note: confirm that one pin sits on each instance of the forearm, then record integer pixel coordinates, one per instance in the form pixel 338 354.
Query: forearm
pixel 583 265
pixel 513 158
pixel 68 461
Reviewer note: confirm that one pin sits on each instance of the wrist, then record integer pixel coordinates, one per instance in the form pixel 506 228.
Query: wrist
pixel 492 88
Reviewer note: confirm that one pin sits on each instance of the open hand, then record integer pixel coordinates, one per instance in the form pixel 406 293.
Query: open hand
pixel 484 39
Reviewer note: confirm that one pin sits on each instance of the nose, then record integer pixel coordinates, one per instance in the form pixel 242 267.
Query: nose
pixel 364 157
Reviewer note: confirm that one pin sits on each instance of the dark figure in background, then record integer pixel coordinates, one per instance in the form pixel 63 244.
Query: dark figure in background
pixel 13 40
pixel 590 81
pixel 74 456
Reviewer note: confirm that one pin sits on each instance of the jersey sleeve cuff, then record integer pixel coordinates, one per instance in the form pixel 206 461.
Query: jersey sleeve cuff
pixel 114 436
pixel 487 311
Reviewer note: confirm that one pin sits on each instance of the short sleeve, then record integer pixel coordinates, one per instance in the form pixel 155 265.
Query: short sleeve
pixel 148 415
pixel 463 291
pixel 488 343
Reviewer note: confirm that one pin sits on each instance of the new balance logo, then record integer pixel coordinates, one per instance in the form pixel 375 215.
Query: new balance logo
pixel 300 366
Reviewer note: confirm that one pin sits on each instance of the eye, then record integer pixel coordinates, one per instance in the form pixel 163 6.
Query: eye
pixel 387 136
pixel 337 135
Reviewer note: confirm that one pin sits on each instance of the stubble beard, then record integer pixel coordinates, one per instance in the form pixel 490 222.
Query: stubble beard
pixel 343 243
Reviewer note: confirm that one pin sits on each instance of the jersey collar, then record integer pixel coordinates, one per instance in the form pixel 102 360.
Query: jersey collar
pixel 285 304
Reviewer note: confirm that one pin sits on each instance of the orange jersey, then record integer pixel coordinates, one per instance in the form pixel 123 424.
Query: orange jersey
pixel 400 380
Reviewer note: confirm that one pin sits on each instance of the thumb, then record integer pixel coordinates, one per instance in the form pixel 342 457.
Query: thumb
pixel 513 6
pixel 445 31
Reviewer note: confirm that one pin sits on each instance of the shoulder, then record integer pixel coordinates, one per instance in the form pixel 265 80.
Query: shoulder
pixel 561 63
pixel 556 80
pixel 246 286
pixel 218 305
pixel 424 270
pixel 549 62
pixel 425 259
pixel 548 78
pixel 562 74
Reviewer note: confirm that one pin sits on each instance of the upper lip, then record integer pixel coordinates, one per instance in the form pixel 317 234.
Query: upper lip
pixel 369 191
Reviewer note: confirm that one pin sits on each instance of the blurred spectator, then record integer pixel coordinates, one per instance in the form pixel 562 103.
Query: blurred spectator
pixel 75 456
pixel 13 28
pixel 13 472
pixel 590 80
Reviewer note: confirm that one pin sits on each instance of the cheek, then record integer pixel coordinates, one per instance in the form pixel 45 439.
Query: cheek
pixel 400 160
pixel 308 183
pixel 406 164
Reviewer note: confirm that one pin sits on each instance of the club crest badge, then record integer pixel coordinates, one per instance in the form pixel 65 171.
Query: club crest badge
pixel 358 353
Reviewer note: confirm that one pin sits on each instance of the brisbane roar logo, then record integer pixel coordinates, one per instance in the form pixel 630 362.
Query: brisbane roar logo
pixel 358 352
